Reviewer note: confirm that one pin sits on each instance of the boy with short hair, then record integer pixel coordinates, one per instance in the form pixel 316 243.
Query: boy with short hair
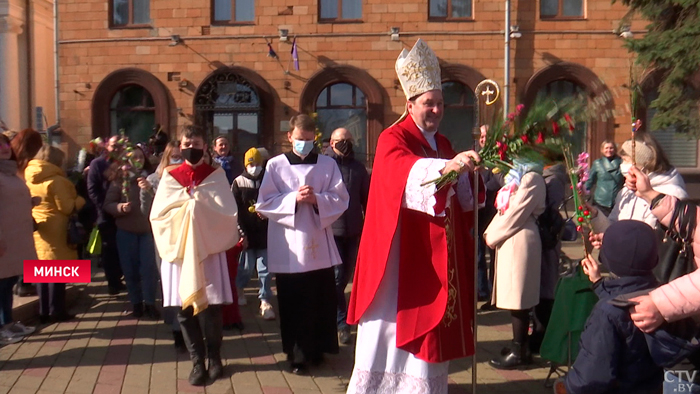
pixel 302 194
pixel 614 356
pixel 194 221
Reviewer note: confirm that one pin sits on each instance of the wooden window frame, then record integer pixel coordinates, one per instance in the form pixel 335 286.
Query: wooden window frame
pixel 449 18
pixel 130 24
pixel 560 17
pixel 232 21
pixel 339 18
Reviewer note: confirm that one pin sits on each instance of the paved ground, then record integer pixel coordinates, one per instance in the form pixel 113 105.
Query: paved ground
pixel 104 351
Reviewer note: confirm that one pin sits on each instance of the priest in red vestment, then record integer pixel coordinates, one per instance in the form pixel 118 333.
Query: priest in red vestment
pixel 414 280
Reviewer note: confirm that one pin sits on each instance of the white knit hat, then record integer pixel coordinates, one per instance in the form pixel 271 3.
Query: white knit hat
pixel 644 155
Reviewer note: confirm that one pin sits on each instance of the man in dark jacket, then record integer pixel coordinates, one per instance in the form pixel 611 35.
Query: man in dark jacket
pixel 222 155
pixel 613 356
pixel 348 227
pixel 97 185
pixel 254 228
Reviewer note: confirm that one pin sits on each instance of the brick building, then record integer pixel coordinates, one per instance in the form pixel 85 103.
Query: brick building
pixel 135 63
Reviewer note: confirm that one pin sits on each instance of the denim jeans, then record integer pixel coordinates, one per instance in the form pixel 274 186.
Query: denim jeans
pixel 6 299
pixel 248 258
pixel 674 384
pixel 347 248
pixel 137 258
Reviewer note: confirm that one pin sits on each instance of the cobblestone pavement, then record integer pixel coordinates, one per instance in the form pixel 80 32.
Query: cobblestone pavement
pixel 106 351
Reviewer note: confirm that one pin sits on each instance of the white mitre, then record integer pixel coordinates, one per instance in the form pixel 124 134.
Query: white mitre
pixel 418 71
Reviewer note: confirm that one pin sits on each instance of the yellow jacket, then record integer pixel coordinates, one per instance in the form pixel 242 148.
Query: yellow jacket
pixel 58 200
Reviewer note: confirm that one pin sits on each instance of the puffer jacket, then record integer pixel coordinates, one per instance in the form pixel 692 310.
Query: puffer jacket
pixel 59 199
pixel 15 221
pixel 613 356
pixel 608 179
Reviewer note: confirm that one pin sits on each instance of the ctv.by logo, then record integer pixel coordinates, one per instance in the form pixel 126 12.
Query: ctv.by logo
pixel 686 376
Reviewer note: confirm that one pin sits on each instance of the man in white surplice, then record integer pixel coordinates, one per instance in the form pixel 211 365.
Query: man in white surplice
pixel 302 193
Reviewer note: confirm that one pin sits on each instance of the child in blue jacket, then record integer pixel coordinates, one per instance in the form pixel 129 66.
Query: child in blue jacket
pixel 613 356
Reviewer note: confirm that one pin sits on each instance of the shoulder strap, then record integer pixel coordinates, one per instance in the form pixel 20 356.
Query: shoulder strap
pixel 672 231
pixel 689 222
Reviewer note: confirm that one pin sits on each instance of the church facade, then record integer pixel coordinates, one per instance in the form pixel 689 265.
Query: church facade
pixel 242 68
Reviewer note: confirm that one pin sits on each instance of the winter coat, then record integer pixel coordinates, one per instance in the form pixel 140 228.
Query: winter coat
pixel 516 238
pixel 613 355
pixel 58 200
pixel 133 221
pixel 608 180
pixel 679 298
pixel 97 186
pixel 16 225
pixel 356 181
pixel 245 189
pixel 630 207
pixel 556 180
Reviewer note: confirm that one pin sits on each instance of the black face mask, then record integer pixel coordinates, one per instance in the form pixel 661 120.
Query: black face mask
pixel 192 155
pixel 344 147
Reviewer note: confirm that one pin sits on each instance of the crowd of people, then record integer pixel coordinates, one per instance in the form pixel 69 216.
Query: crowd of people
pixel 407 243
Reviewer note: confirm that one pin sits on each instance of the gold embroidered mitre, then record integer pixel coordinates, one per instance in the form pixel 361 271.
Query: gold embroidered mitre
pixel 418 70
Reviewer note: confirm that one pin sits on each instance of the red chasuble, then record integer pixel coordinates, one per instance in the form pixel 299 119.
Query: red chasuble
pixel 189 176
pixel 436 267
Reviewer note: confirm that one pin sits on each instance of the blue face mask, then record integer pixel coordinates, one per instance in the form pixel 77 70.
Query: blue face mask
pixel 303 147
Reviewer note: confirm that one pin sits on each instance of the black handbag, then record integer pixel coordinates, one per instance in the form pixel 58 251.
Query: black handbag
pixel 77 234
pixel 677 258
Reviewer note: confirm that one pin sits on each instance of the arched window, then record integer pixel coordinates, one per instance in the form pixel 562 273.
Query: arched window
pixel 228 104
pixel 560 89
pixel 344 105
pixel 458 120
pixel 133 111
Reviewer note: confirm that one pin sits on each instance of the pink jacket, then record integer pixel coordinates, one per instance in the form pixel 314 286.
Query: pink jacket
pixel 679 298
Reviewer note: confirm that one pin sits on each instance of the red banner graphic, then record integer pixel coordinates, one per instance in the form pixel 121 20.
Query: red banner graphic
pixel 57 271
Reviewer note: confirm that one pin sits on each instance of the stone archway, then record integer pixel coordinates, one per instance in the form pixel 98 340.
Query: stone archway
pixel 241 97
pixel 599 129
pixel 113 83
pixel 354 76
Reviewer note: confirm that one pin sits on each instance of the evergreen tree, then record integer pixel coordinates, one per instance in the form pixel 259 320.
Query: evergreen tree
pixel 672 45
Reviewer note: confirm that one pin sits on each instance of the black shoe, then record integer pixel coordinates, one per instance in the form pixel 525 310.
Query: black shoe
pixel 25 290
pixel 44 319
pixel 198 376
pixel 518 356
pixel 179 342
pixel 216 368
pixel 151 312
pixel 298 369
pixel 62 317
pixel 138 310
pixel 344 336
pixel 487 307
pixel 113 290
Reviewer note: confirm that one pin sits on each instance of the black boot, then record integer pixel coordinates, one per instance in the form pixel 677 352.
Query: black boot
pixel 151 312
pixel 519 355
pixel 216 368
pixel 198 376
pixel 179 342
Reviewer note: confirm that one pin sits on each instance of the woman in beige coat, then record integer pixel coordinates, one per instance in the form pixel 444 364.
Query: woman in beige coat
pixel 514 235
pixel 16 243
pixel 59 199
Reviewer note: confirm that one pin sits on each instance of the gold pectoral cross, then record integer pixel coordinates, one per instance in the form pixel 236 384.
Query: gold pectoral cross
pixel 312 248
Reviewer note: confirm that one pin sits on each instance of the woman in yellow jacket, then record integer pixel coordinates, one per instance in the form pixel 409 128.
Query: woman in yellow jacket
pixel 59 199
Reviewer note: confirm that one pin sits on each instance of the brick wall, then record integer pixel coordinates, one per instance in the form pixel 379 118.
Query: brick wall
pixel 90 50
